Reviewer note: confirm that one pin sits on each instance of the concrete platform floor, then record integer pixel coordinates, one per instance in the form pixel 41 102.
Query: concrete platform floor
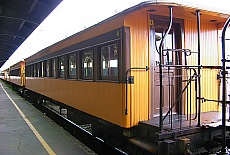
pixel 24 130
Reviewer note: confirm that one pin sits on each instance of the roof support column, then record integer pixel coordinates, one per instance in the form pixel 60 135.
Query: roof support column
pixel 160 67
pixel 224 149
pixel 199 66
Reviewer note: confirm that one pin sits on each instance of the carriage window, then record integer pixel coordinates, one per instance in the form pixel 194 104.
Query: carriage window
pixel 109 60
pixel 53 68
pixel 87 64
pixel 168 44
pixel 32 70
pixel 38 69
pixel 35 70
pixel 27 71
pixel 72 65
pixel 48 68
pixel 42 69
pixel 61 69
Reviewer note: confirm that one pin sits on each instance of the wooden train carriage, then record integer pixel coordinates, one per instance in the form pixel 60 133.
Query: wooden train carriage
pixel 110 70
pixel 16 74
pixel 4 74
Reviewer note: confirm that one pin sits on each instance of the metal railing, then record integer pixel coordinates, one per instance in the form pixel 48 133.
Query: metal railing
pixel 183 85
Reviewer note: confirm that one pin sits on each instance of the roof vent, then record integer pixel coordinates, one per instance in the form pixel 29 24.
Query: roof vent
pixel 151 10
pixel 213 20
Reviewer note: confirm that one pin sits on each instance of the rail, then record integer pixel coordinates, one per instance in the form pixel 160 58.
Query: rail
pixel 160 65
pixel 186 87
pixel 185 79
pixel 224 149
pixel 127 81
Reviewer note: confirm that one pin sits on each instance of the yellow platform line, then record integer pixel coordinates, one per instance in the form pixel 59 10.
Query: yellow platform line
pixel 42 141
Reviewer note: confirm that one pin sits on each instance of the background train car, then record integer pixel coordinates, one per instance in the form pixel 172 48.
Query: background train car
pixel 4 74
pixel 16 74
pixel 111 70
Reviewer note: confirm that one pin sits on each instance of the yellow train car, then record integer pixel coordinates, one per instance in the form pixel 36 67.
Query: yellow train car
pixel 4 74
pixel 16 74
pixel 97 87
pixel 147 67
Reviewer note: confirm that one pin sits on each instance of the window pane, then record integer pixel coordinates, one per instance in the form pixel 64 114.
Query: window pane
pixel 42 69
pixel 109 60
pixel 32 70
pixel 104 61
pixel 72 65
pixel 53 68
pixel 35 70
pixel 48 68
pixel 62 67
pixel 27 71
pixel 87 59
pixel 38 69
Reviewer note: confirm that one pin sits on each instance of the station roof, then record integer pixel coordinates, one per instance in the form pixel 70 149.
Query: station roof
pixel 18 19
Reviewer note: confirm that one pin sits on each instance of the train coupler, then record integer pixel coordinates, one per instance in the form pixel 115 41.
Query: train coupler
pixel 184 146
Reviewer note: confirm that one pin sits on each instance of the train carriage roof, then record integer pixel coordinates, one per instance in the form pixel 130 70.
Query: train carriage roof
pixel 16 66
pixel 18 19
pixel 181 10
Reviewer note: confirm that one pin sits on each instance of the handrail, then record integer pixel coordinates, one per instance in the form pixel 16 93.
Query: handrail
pixel 224 146
pixel 160 67
pixel 199 62
pixel 181 50
pixel 126 84
pixel 189 81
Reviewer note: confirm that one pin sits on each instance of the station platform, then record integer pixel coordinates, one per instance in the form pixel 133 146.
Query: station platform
pixel 24 130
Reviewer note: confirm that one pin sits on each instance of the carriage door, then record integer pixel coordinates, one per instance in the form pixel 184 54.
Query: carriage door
pixel 170 83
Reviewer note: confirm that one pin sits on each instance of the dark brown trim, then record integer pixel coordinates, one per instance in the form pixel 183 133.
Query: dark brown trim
pixel 66 64
pixel 124 64
pixel 120 36
pixel 152 65
pixel 92 42
pixel 79 70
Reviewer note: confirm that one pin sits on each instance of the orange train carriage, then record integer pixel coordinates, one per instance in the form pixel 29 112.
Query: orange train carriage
pixel 140 72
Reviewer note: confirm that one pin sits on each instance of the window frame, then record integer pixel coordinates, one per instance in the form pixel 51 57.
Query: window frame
pixel 35 70
pixel 53 68
pixel 28 71
pixel 72 76
pixel 47 70
pixel 42 65
pixel 39 69
pixel 60 75
pixel 32 70
pixel 108 77
pixel 82 75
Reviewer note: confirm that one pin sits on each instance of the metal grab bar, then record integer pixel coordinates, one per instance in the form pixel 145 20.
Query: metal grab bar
pixel 199 67
pixel 224 149
pixel 160 67
pixel 126 84
pixel 189 81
